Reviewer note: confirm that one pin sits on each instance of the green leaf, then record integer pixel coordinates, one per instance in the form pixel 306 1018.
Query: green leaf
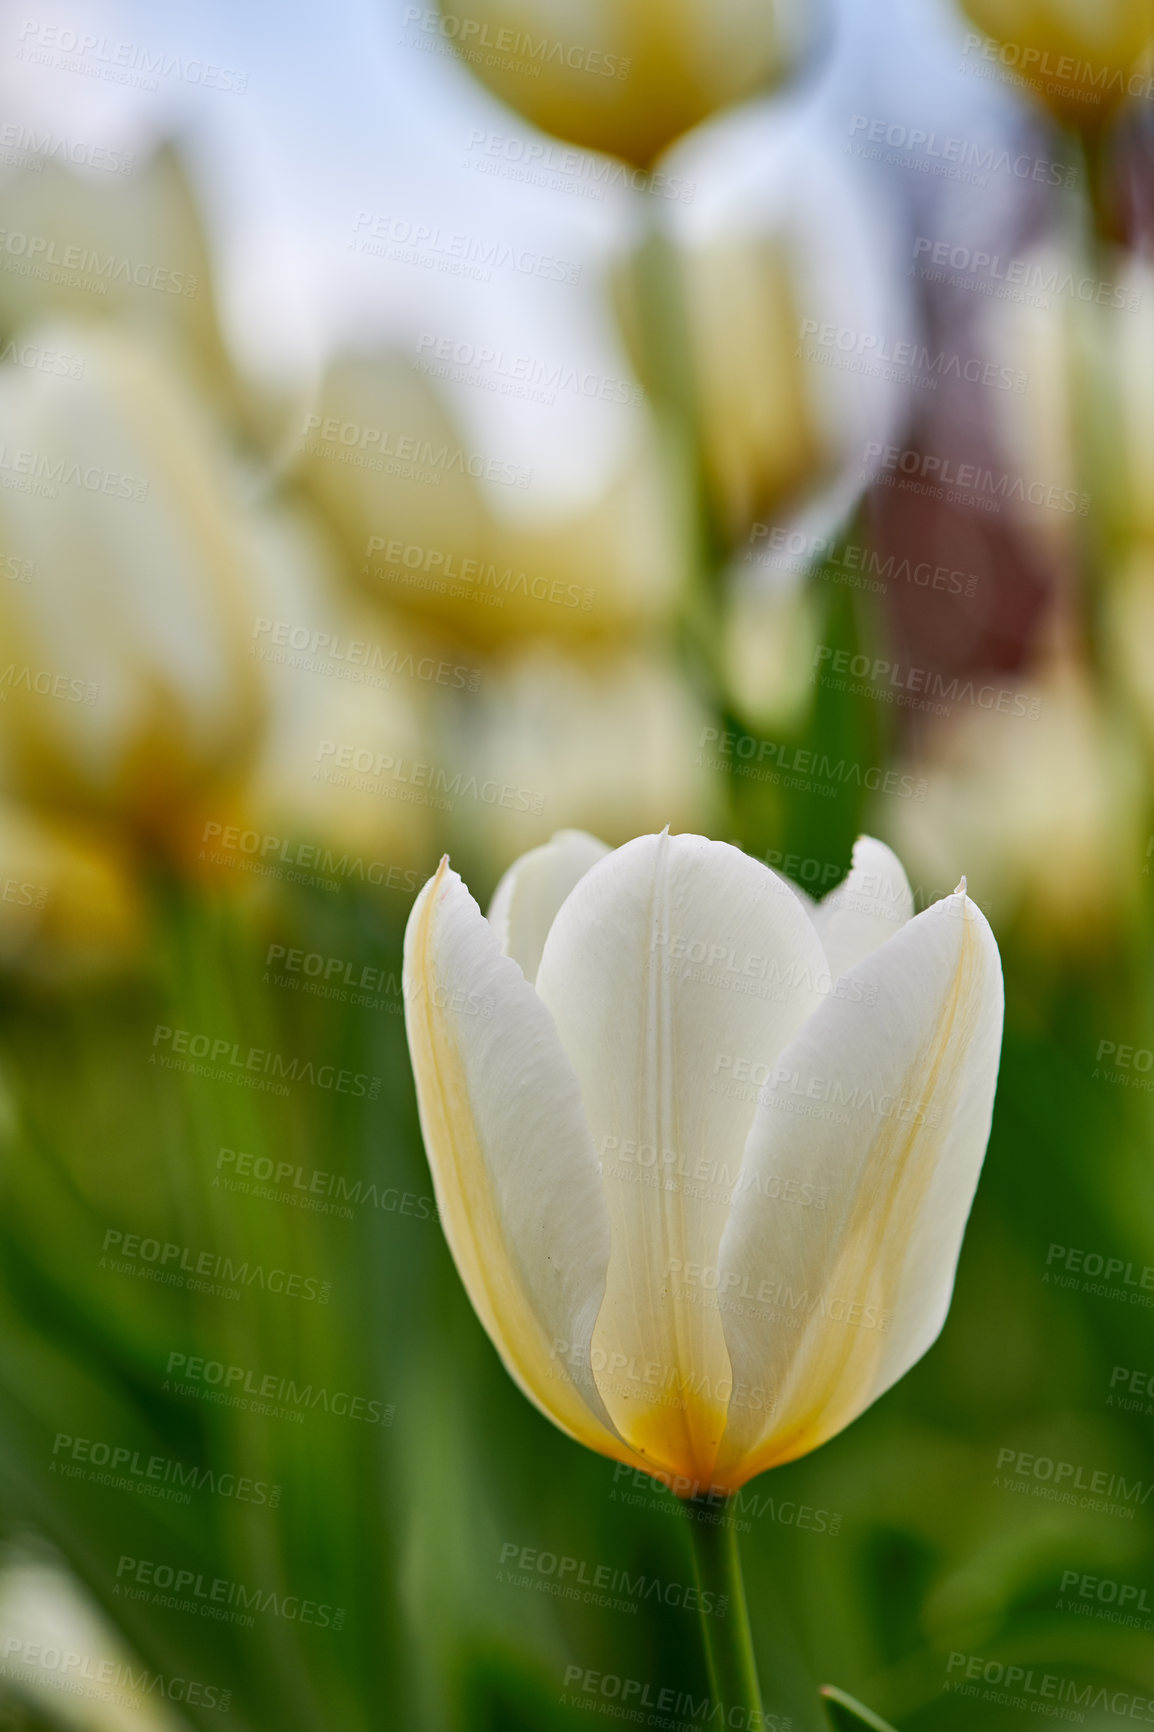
pixel 847 1715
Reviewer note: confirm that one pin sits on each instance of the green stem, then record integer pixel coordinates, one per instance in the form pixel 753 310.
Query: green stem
pixel 728 1641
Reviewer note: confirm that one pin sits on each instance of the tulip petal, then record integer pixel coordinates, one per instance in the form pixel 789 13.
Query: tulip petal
pixel 838 1262
pixel 526 901
pixel 867 908
pixel 674 967
pixel 512 1161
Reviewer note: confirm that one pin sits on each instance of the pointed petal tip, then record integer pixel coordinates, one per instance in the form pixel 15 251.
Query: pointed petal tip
pixel 960 888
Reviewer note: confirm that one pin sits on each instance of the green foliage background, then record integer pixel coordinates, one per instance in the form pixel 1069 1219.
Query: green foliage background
pixel 403 1525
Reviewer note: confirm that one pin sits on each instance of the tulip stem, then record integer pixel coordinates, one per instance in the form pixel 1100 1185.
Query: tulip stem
pixel 728 1639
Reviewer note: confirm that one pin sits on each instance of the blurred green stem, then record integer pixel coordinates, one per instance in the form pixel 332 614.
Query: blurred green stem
pixel 665 335
pixel 728 1641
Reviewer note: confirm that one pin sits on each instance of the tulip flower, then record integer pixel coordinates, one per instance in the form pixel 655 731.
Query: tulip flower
pixel 431 520
pixel 70 905
pixel 550 725
pixel 629 78
pixel 128 688
pixel 1080 57
pixel 706 1168
pixel 128 248
pixel 1064 783
pixel 785 260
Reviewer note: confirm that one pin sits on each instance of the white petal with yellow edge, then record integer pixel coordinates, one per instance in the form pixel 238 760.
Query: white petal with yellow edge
pixel 674 967
pixel 513 1166
pixel 871 905
pixel 838 1262
pixel 526 900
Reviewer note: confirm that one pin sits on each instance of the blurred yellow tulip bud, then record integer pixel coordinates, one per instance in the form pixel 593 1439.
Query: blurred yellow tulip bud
pixel 125 684
pixel 601 741
pixel 784 265
pixel 128 246
pixel 630 77
pixel 68 901
pixel 626 1184
pixel 759 417
pixel 1080 431
pixel 431 523
pixel 1018 792
pixel 1081 58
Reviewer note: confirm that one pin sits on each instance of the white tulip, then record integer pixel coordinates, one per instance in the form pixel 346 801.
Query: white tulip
pixel 706 1166
pixel 125 673
pixel 790 276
